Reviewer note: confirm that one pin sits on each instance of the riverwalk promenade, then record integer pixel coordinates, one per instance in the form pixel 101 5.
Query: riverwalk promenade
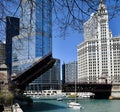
pixel 14 108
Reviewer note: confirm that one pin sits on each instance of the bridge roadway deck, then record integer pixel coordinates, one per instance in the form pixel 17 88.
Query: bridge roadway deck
pixel 36 70
pixel 101 90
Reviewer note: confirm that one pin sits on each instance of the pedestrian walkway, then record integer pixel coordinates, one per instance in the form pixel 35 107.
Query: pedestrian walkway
pixel 14 108
pixel 7 109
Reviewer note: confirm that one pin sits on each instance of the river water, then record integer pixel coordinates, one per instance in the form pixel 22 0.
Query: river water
pixel 88 105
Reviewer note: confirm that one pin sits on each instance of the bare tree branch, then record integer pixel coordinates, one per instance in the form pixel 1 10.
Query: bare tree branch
pixel 76 12
pixel 67 14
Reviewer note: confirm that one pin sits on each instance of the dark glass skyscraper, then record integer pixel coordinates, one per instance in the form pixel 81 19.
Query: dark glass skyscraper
pixel 12 29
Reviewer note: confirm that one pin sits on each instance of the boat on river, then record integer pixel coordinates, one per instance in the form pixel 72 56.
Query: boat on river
pixel 74 105
pixel 59 99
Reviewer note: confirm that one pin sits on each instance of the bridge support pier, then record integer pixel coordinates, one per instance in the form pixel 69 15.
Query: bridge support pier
pixel 102 95
pixel 115 92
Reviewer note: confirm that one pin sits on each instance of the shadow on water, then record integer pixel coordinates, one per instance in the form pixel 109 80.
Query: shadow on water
pixel 42 106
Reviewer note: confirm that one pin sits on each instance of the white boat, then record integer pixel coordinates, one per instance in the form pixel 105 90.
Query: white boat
pixel 74 105
pixel 60 99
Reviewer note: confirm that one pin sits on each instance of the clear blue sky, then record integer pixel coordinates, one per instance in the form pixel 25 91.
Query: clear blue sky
pixel 66 49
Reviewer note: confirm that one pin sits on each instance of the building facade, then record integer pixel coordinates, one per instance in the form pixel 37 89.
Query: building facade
pixel 69 72
pixel 99 55
pixel 50 81
pixel 34 40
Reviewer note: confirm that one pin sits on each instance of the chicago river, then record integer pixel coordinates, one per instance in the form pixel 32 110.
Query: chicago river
pixel 88 105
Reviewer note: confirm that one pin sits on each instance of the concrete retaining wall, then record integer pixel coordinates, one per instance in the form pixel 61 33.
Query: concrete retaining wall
pixel 115 92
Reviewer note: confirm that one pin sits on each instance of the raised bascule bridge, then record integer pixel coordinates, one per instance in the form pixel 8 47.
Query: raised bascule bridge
pixel 101 90
pixel 33 72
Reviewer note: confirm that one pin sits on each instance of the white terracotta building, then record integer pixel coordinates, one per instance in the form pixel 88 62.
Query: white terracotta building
pixel 99 55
